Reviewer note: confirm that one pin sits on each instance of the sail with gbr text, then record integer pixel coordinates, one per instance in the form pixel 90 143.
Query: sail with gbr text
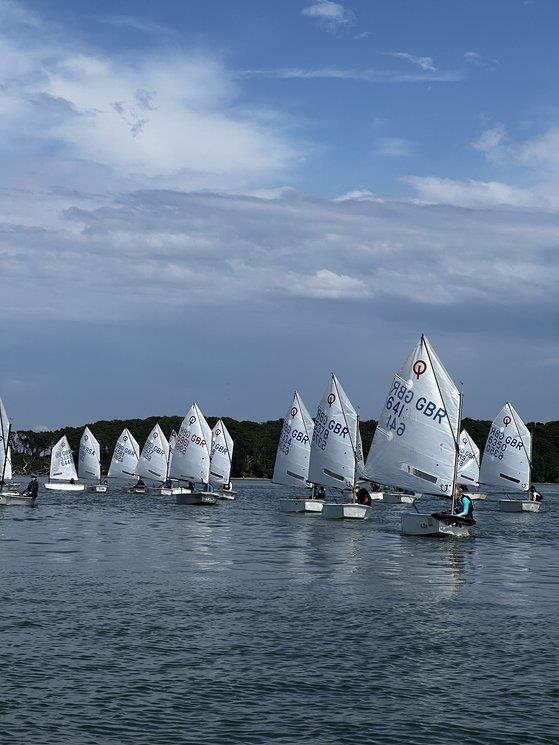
pixel 191 455
pixel 415 445
pixel 294 448
pixel 221 455
pixel 154 456
pixel 125 456
pixel 334 443
pixel 507 457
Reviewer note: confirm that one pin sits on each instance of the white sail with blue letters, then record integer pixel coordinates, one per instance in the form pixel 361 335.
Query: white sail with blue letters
pixel 62 467
pixel 415 445
pixel 221 454
pixel 4 438
pixel 507 457
pixel 192 452
pixel 172 441
pixel 292 457
pixel 333 455
pixel 89 456
pixel 468 461
pixel 125 457
pixel 154 456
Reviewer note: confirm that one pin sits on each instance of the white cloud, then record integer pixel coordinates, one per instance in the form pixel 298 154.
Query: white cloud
pixel 474 194
pixel 493 142
pixel 364 75
pixel 424 63
pixel 329 15
pixel 393 147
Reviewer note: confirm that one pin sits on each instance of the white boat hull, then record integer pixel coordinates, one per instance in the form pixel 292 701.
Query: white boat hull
pixel 16 500
pixel 138 490
pixel 395 498
pixel 197 497
pixel 229 495
pixel 172 491
pixel 419 523
pixel 346 510
pixel 100 488
pixel 518 505
pixel 53 486
pixel 313 506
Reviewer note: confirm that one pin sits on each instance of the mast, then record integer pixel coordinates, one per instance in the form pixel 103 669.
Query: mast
pixel 457 453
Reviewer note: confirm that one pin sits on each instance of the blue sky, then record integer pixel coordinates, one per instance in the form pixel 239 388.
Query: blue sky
pixel 221 201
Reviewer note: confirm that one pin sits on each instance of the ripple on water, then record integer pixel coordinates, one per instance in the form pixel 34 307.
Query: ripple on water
pixel 134 620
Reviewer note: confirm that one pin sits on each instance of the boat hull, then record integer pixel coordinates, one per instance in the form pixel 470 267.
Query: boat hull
pixel 518 505
pixel 16 500
pixel 52 486
pixel 395 498
pixel 312 506
pixel 346 511
pixel 172 491
pixel 228 495
pixel 476 496
pixel 424 524
pixel 198 498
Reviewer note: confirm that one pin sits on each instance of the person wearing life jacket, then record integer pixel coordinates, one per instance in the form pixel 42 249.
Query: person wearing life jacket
pixel 32 488
pixel 535 495
pixel 464 506
pixel 362 496
pixel 319 492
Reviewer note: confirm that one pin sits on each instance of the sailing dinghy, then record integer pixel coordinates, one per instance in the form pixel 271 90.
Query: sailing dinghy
pixel 191 458
pixel 221 458
pixel 415 445
pixel 334 451
pixel 153 460
pixel 125 457
pixel 89 461
pixel 172 487
pixel 8 496
pixel 292 457
pixel 507 461
pixel 63 475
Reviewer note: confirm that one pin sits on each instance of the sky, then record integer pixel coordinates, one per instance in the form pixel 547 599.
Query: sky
pixel 216 201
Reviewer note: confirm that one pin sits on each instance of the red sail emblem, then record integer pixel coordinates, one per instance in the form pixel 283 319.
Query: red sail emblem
pixel 331 398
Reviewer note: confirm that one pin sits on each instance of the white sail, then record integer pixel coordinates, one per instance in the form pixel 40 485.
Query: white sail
pixel 8 470
pixel 172 442
pixel 4 436
pixel 506 461
pixel 468 461
pixel 89 456
pixel 334 443
pixel 416 441
pixel 360 465
pixel 154 456
pixel 62 466
pixel 221 455
pixel 125 457
pixel 294 448
pixel 191 455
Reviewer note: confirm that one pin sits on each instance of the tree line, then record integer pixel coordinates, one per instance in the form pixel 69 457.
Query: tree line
pixel 255 443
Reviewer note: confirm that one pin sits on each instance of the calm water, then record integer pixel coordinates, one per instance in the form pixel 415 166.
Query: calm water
pixel 130 619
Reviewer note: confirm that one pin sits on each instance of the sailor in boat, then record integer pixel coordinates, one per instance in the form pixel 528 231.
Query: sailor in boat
pixel 168 484
pixel 375 488
pixel 535 495
pixel 140 484
pixel 363 497
pixel 464 505
pixel 319 492
pixel 32 488
pixel 227 487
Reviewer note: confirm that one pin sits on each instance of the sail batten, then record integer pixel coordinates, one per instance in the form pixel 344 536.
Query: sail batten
pixel 415 445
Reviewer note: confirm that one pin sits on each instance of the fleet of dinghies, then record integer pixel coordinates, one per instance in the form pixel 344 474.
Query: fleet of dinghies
pixel 419 448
